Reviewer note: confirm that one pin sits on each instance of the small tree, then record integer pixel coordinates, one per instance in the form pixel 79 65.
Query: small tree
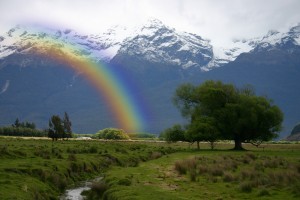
pixel 17 123
pixel 56 129
pixel 67 126
pixel 173 134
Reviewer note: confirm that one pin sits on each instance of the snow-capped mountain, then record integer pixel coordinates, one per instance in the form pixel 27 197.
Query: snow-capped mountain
pixel 24 39
pixel 156 42
pixel 153 41
pixel 273 39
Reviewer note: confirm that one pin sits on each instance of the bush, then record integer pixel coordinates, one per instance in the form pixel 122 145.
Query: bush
pixel 173 134
pixel 112 134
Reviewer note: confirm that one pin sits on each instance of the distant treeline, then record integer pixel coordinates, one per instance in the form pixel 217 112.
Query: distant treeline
pixel 25 129
pixel 26 132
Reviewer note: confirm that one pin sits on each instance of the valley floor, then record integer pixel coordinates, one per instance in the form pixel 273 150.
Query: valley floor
pixel 42 169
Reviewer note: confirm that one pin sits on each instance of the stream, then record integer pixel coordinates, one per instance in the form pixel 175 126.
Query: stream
pixel 75 193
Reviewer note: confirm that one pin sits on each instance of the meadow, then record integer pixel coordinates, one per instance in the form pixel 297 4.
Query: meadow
pixel 41 169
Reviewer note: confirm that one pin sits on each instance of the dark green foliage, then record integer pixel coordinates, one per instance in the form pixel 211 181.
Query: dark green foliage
pixel 25 129
pixel 19 124
pixel 22 131
pixel 141 135
pixel 67 126
pixel 222 111
pixel 202 129
pixel 59 128
pixel 173 134
pixel 56 129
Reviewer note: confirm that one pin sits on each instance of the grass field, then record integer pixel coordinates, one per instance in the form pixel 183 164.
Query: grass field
pixel 272 173
pixel 40 169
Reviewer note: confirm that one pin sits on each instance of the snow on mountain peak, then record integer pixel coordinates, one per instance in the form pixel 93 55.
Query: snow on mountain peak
pixel 157 42
pixel 273 38
pixel 152 41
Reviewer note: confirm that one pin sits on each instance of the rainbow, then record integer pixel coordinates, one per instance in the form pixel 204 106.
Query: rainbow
pixel 125 107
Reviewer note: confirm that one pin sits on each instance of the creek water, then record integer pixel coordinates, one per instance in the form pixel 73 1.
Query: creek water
pixel 75 193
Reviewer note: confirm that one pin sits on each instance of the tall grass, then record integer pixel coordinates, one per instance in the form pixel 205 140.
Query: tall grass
pixel 250 170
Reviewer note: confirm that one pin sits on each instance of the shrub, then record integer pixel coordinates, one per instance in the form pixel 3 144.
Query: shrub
pixel 112 134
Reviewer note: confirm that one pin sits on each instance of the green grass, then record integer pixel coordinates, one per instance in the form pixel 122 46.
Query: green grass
pixel 40 169
pixel 270 174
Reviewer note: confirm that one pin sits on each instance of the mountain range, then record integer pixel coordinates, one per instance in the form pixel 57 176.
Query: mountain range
pixel 158 58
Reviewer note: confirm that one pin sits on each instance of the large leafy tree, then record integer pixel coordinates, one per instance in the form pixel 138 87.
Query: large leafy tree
pixel 237 114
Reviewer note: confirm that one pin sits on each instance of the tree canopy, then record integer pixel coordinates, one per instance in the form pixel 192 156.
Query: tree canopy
pixel 223 111
pixel 60 128
pixel 173 134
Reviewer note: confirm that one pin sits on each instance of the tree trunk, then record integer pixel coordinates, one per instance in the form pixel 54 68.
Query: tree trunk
pixel 238 144
pixel 198 145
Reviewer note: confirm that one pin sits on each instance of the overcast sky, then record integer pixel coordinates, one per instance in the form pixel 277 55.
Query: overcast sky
pixel 217 20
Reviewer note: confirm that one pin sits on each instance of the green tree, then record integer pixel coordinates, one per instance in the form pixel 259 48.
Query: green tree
pixel 17 123
pixel 67 126
pixel 56 128
pixel 237 114
pixel 173 134
pixel 202 129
